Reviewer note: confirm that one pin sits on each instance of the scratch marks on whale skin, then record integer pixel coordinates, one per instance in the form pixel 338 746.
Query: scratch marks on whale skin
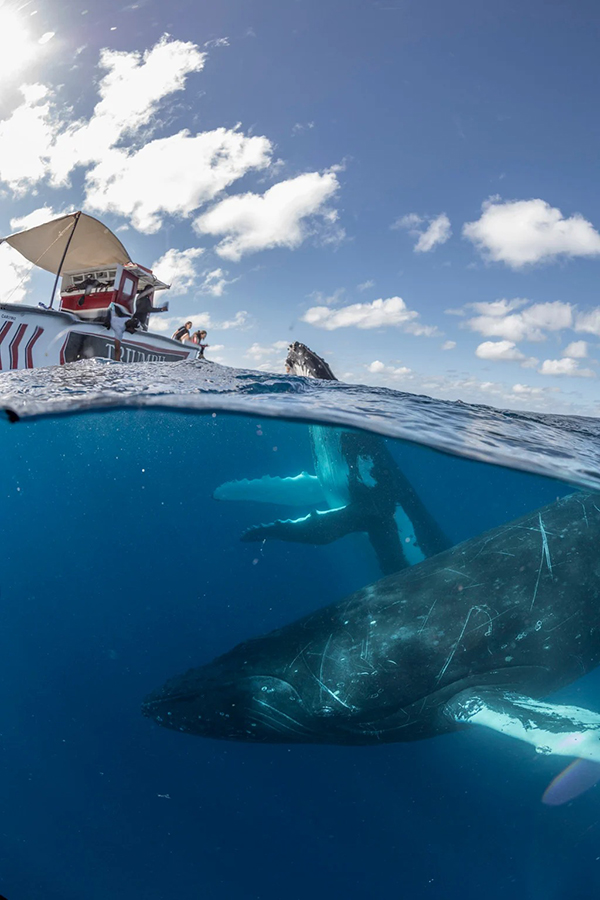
pixel 545 547
pixel 272 721
pixel 426 620
pixel 488 624
pixel 323 657
pixel 299 655
pixel 320 678
pixel 560 624
pixel 585 512
pixel 545 556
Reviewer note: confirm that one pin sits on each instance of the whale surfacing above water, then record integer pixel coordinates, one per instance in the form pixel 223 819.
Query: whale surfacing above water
pixel 478 634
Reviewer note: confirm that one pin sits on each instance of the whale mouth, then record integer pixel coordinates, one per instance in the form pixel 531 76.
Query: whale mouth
pixel 248 708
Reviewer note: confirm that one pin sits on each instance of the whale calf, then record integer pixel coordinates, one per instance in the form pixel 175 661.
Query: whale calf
pixel 479 634
pixel 357 487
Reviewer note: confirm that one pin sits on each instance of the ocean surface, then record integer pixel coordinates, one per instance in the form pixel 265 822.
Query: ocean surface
pixel 120 570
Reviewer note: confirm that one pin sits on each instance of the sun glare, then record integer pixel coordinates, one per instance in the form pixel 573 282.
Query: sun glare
pixel 18 47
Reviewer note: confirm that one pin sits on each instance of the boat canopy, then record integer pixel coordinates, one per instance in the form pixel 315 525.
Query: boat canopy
pixel 91 245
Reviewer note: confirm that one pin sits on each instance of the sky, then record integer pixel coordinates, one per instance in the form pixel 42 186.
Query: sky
pixel 407 186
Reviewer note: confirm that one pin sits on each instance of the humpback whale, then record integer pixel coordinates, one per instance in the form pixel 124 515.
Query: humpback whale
pixel 357 487
pixel 480 634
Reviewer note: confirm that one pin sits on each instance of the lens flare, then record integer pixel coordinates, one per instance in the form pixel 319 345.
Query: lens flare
pixel 18 47
pixel 578 777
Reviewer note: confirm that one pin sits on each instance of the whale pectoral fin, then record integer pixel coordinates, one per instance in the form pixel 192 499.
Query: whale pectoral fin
pixel 552 728
pixel 298 490
pixel 318 527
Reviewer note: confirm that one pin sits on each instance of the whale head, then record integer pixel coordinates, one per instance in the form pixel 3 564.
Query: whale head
pixel 303 361
pixel 232 698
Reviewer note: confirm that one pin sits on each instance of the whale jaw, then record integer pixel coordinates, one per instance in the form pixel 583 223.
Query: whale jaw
pixel 255 708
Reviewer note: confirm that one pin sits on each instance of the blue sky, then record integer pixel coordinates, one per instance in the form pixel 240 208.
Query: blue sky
pixel 340 173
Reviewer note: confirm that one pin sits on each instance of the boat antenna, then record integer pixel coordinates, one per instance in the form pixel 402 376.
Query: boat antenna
pixel 76 218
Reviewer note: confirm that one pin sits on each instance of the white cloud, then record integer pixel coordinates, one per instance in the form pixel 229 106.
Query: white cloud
pixel 438 230
pixel 589 321
pixel 214 282
pixel 378 314
pixel 217 42
pixel 34 218
pixel 411 222
pixel 25 137
pixel 170 324
pixel 365 286
pixel 131 92
pixel 565 366
pixel 258 352
pixel 193 170
pixel 281 217
pixel 199 320
pixel 240 320
pixel 299 127
pixel 127 173
pixel 525 390
pixel 522 232
pixel 177 268
pixel 327 300
pixel 577 349
pixel 422 330
pixel 379 368
pixel 530 324
pixel 503 351
pixel 497 307
pixel 448 345
pixel 15 273
pixel 268 358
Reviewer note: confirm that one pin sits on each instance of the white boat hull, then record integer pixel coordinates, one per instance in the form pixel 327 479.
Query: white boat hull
pixel 31 337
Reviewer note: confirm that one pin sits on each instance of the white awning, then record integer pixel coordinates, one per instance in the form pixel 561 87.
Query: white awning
pixel 92 246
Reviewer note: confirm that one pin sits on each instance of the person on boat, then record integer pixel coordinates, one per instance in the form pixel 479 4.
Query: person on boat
pixel 183 333
pixel 120 322
pixel 144 308
pixel 199 337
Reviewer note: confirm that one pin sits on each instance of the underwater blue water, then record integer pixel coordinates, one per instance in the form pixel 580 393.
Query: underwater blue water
pixel 119 570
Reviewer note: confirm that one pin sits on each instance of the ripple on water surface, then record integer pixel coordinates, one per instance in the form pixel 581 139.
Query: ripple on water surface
pixel 563 447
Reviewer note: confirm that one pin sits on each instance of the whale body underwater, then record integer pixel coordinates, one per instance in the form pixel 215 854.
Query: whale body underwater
pixel 357 487
pixel 479 634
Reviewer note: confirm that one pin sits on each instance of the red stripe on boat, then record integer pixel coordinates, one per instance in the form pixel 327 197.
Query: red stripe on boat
pixel 61 358
pixel 14 346
pixel 3 332
pixel 30 345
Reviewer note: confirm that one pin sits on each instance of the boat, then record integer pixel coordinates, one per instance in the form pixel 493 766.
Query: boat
pixel 99 285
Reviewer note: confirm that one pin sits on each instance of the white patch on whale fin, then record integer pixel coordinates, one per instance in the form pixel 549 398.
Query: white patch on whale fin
pixel 297 490
pixel 408 538
pixel 365 471
pixel 551 728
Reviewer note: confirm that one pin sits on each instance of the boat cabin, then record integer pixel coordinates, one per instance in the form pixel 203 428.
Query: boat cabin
pixel 89 294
